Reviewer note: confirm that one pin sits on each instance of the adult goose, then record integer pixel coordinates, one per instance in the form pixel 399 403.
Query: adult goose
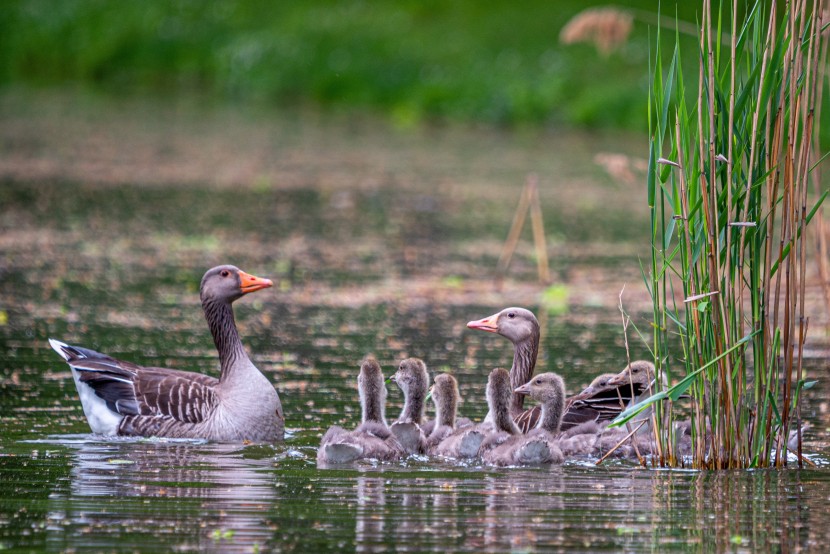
pixel 521 328
pixel 609 394
pixel 413 380
pixel 123 398
pixel 372 439
pixel 451 437
pixel 505 444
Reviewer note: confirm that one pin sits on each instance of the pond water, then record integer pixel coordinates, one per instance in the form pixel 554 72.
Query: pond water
pixel 392 257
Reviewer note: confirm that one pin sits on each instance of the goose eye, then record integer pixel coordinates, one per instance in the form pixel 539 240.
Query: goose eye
pixel 225 273
pixel 511 315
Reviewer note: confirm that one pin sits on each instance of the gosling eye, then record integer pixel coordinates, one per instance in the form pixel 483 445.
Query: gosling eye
pixel 538 381
pixel 225 273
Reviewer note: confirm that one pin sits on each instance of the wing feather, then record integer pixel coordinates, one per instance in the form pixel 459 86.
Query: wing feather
pixel 133 390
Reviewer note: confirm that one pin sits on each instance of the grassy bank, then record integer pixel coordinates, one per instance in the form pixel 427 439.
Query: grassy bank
pixel 491 62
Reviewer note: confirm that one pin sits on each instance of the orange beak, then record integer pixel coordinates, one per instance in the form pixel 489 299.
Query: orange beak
pixel 251 283
pixel 489 324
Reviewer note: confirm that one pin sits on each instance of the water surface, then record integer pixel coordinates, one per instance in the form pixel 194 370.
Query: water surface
pixel 394 267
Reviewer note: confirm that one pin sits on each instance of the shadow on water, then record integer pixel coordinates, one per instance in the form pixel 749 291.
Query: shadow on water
pixel 391 270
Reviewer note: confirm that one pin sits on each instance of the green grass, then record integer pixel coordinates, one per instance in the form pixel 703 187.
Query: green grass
pixel 472 61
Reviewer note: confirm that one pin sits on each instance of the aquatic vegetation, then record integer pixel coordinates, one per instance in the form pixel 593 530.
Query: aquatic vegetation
pixel 731 165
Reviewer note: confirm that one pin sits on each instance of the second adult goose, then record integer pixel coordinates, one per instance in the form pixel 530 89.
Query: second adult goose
pixel 521 328
pixel 123 398
pixel 372 439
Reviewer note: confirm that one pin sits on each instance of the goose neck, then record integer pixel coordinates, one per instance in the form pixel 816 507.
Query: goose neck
pixel 524 362
pixel 222 325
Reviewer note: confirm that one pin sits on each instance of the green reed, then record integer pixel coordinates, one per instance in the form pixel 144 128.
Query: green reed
pixel 730 162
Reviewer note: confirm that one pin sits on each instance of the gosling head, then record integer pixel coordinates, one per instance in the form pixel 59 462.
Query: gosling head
pixel 412 377
pixel 599 385
pixel 549 390
pixel 545 388
pixel 638 372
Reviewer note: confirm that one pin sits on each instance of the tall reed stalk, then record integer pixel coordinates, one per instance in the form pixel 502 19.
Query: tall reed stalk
pixel 728 185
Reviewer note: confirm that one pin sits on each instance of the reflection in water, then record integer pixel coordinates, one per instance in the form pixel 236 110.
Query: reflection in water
pixel 583 508
pixel 369 527
pixel 114 483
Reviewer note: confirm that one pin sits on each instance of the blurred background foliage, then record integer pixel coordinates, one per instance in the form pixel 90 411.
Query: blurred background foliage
pixel 414 61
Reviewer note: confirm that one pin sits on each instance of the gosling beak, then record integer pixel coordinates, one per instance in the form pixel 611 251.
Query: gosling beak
pixel 587 393
pixel 524 389
pixel 250 283
pixel 619 379
pixel 489 324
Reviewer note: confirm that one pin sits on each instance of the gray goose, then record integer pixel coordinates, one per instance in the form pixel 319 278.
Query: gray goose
pixel 123 398
pixel 413 380
pixel 521 328
pixel 506 445
pixel 451 437
pixel 372 439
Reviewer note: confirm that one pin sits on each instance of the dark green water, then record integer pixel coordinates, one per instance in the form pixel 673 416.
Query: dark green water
pixel 393 272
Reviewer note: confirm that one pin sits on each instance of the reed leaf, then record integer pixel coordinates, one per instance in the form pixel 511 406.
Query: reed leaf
pixel 728 198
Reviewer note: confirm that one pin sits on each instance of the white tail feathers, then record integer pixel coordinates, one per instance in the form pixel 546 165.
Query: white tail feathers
pixel 59 347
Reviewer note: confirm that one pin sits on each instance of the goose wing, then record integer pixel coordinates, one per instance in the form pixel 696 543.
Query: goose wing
pixel 130 389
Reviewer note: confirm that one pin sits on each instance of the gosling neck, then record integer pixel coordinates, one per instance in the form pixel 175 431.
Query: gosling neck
pixel 551 417
pixel 372 402
pixel 445 411
pixel 413 407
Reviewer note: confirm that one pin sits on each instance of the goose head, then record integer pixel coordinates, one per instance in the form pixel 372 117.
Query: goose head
pixel 227 283
pixel 516 324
